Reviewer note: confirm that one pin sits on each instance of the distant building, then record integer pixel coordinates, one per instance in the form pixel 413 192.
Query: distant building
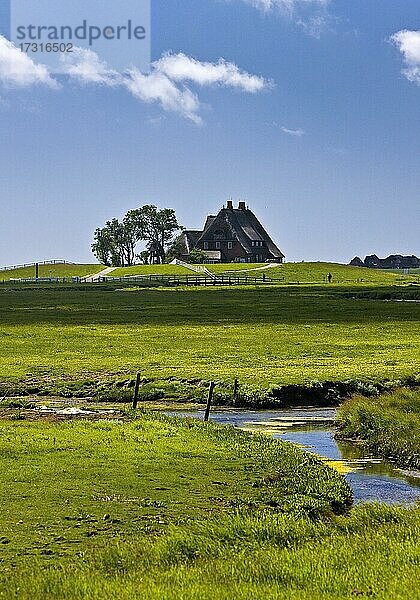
pixel 233 235
pixel 357 262
pixel 394 261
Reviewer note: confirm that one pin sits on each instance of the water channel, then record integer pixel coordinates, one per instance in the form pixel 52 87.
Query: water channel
pixel 371 479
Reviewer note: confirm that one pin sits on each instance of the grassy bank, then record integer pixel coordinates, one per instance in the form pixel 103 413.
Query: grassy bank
pixel 163 508
pixel 58 270
pixel 389 425
pixel 145 474
pixel 76 341
pixel 311 272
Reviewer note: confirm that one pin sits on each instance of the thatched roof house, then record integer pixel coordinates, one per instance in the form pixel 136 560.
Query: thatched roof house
pixel 233 235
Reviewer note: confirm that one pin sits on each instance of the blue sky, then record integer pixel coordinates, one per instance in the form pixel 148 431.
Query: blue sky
pixel 313 119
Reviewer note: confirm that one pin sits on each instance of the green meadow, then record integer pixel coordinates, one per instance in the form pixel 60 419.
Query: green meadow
pixel 154 508
pixel 266 336
pixel 157 508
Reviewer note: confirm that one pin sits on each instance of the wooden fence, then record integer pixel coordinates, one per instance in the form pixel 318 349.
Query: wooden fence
pixel 153 280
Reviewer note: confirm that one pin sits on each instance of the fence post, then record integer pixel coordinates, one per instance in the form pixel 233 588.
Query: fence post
pixel 209 400
pixel 136 391
pixel 235 391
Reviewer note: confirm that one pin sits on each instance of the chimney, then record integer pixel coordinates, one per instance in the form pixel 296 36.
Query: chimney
pixel 229 205
pixel 241 206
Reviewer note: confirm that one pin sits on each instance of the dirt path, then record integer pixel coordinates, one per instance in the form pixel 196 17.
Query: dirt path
pixel 269 266
pixel 96 276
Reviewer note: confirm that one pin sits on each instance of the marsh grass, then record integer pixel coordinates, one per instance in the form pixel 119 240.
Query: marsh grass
pixel 388 425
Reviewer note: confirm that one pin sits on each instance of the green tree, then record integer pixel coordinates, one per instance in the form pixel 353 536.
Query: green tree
pixel 115 244
pixel 156 227
pixel 101 246
pixel 112 244
pixel 197 256
pixel 144 257
pixel 176 250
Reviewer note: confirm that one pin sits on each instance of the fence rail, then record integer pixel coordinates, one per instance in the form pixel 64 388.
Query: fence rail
pixel 163 280
pixel 193 280
pixel 173 280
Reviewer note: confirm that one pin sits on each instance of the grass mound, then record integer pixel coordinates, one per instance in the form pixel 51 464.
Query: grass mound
pixel 54 271
pixel 311 272
pixel 145 270
pixel 341 274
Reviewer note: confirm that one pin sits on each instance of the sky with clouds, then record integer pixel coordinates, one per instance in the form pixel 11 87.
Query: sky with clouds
pixel 306 109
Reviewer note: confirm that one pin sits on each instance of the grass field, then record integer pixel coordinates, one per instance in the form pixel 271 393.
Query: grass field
pixel 145 270
pixel 411 271
pixel 287 273
pixel 263 336
pixel 343 274
pixel 389 425
pixel 158 508
pixel 51 271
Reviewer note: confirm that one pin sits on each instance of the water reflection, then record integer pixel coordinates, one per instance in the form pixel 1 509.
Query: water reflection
pixel 371 479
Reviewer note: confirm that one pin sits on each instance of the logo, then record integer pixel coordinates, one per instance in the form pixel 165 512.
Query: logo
pixel 118 32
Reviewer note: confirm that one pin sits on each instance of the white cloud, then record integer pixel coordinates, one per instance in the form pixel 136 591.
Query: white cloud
pixel 295 132
pixel 312 16
pixel 18 70
pixel 157 87
pixel 180 67
pixel 408 43
pixel 86 67
pixel 164 85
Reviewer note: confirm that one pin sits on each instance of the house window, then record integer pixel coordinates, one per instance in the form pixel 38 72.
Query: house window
pixel 206 245
pixel 217 245
pixel 230 245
